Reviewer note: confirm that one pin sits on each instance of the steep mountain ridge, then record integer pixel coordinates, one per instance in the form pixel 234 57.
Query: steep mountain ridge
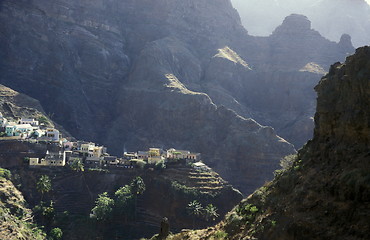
pixel 325 192
pixel 136 74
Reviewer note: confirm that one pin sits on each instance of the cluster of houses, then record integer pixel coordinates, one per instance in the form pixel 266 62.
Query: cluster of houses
pixel 88 153
pixel 93 156
pixel 26 128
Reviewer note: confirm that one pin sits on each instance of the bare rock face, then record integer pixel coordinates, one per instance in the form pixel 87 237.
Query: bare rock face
pixel 343 98
pixel 139 74
pixel 325 193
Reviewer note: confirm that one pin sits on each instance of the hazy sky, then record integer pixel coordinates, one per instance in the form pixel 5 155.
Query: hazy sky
pixel 331 18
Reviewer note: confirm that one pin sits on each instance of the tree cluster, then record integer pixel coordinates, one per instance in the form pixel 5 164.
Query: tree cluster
pixel 124 202
pixel 196 210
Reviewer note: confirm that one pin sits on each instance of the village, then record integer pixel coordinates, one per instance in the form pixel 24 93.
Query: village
pixel 89 154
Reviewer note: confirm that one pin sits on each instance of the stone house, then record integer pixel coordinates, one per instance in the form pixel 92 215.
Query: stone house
pixel 53 134
pixel 52 159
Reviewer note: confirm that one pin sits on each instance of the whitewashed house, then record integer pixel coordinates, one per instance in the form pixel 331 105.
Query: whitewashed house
pixel 182 154
pixel 23 130
pixel 29 121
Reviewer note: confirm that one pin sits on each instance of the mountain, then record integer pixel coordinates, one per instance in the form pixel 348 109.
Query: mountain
pixel 324 193
pixel 332 18
pixel 169 74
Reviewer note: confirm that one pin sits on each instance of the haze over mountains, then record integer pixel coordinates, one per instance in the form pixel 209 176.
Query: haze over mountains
pixel 331 18
pixel 169 74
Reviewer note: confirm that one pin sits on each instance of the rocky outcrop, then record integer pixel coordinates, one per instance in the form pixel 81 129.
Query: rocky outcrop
pixel 134 74
pixel 325 193
pixel 15 218
pixel 343 98
pixel 14 105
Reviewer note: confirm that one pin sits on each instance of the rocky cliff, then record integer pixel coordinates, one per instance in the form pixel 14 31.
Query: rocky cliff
pixel 325 193
pixel 15 218
pixel 139 74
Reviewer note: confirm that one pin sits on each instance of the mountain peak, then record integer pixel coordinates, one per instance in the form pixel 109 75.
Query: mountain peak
pixel 294 23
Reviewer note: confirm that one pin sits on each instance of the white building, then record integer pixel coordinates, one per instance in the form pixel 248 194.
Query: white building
pixel 90 150
pixel 182 154
pixel 23 130
pixel 29 121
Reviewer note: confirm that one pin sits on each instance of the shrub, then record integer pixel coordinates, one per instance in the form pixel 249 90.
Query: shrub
pixel 5 173
pixel 160 165
pixel 43 120
pixel 234 222
pixel 56 234
pixel 104 207
pixel 220 235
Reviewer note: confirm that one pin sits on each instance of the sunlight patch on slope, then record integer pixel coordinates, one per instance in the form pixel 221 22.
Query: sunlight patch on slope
pixel 232 56
pixel 313 68
pixel 175 84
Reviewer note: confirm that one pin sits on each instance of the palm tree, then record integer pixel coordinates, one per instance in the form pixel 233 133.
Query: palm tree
pixel 43 185
pixel 78 166
pixel 194 209
pixel 137 188
pixel 210 212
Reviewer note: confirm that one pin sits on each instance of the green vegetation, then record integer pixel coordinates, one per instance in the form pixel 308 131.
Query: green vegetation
pixel 220 235
pixel 248 212
pixel 44 120
pixel 45 213
pixel 195 210
pixel 77 166
pixel 125 202
pixel 55 234
pixel 103 207
pixel 15 219
pixel 43 185
pixel 137 186
pixel 273 223
pixel 287 163
pixel 5 173
pixel 210 213
pixel 26 160
pixel 98 170
pixel 140 163
pixel 160 165
pixel 184 189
